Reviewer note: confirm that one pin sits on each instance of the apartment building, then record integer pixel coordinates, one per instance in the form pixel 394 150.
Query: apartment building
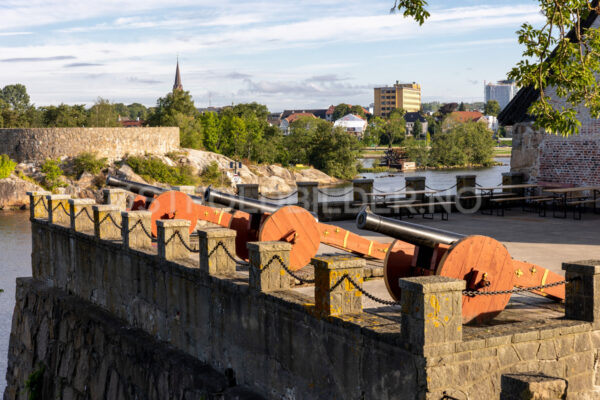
pixel 402 95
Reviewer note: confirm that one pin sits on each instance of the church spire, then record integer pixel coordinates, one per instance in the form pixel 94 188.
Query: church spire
pixel 177 84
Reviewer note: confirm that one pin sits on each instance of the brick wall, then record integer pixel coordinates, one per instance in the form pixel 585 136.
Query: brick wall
pixel 37 144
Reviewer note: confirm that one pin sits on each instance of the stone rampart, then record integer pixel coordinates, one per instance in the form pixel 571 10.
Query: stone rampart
pixel 277 343
pixel 38 144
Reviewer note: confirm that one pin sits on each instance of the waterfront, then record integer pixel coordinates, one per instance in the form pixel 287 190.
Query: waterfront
pixel 15 261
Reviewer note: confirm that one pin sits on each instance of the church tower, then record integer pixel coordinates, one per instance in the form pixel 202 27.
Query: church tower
pixel 177 85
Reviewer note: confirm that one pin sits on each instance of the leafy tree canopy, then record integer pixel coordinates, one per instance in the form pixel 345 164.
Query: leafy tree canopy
pixel 492 107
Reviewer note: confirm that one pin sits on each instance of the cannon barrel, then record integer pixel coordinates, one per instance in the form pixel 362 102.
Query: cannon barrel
pixel 143 188
pixel 245 204
pixel 410 233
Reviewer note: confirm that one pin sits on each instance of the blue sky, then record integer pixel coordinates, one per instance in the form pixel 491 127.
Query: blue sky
pixel 286 54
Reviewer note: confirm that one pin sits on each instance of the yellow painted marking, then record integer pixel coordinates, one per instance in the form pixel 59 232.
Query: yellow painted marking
pixel 206 213
pixel 544 279
pixel 370 248
pixel 518 273
pixel 326 233
pixel 346 238
pixel 533 270
pixel 337 230
pixel 220 216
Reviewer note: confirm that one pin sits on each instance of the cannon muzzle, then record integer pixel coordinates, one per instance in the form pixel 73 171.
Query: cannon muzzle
pixel 251 206
pixel 417 235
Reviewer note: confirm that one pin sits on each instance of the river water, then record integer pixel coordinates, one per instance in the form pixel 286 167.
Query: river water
pixel 15 234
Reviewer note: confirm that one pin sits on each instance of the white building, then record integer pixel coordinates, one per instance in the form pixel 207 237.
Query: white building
pixel 502 92
pixel 352 124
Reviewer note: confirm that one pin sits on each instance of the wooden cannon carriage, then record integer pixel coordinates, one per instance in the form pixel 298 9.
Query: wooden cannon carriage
pixel 483 262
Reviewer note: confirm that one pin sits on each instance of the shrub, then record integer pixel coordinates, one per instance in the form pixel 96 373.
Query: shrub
pixel 7 166
pixel 88 162
pixel 212 175
pixel 51 169
pixel 153 169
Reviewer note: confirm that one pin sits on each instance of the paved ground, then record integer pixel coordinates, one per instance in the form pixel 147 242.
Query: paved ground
pixel 545 241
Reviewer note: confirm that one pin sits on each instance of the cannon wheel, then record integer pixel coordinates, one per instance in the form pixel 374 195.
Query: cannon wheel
pixel 485 255
pixel 396 265
pixel 240 223
pixel 173 205
pixel 295 225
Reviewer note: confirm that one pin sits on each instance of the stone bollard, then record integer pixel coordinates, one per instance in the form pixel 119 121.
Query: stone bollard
pixel 532 386
pixel 215 243
pixel 38 205
pixel 513 178
pixel 187 189
pixel 170 247
pixel 308 195
pixel 360 189
pixel 465 184
pixel 249 190
pixel 136 228
pixel 431 310
pixel 582 294
pixel 115 197
pixel 107 221
pixel 81 214
pixel 58 209
pixel 415 183
pixel 345 298
pixel 265 277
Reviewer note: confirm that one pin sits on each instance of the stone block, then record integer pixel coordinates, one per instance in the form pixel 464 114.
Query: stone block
pixel 136 229
pixel 115 197
pixel 308 195
pixel 58 209
pixel 582 292
pixel 415 183
pixel 217 246
pixel 334 293
pixel 248 190
pixel 431 310
pixel 360 189
pixel 107 221
pixel 38 205
pixel 81 214
pixel 465 185
pixel 173 238
pixel 266 270
pixel 187 189
pixel 532 385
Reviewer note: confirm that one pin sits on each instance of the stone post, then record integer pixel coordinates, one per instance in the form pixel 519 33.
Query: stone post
pixel 81 214
pixel 217 242
pixel 360 189
pixel 265 277
pixel 513 178
pixel 115 197
pixel 170 247
pixel 58 208
pixel 582 294
pixel 135 226
pixel 187 189
pixel 308 195
pixel 107 221
pixel 414 183
pixel 345 298
pixel 465 184
pixel 38 205
pixel 431 310
pixel 249 190
pixel 530 386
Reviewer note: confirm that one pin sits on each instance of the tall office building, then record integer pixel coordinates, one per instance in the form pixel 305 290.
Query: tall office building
pixel 402 95
pixel 501 91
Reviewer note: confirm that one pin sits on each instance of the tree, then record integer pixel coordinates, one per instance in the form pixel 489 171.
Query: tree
pixel 417 130
pixel 210 123
pixel 492 107
pixel 462 107
pixel 102 114
pixel 177 109
pixel 340 110
pixel 564 54
pixel 64 115
pixel 137 110
pixel 358 110
pixel 121 110
pixel 469 143
pixel 16 96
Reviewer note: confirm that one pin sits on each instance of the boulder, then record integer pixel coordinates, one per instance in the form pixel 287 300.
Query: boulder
pixel 13 192
pixel 126 172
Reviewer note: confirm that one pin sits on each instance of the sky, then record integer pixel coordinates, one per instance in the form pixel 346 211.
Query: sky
pixel 285 54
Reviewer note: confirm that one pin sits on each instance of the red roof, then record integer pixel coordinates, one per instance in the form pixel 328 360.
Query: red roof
pixel 131 123
pixel 295 116
pixel 466 116
pixel 330 110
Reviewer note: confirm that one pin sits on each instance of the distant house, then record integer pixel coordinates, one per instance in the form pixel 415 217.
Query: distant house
pixel 130 123
pixel 286 122
pixel 317 112
pixel 467 116
pixel 353 124
pixel 274 119
pixel 411 118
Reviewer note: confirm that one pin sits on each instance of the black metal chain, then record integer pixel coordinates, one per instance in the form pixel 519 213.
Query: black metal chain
pixel 222 245
pixel 139 222
pixel 360 289
pixel 335 195
pixel 292 274
pixel 383 191
pixel 441 190
pixel 187 246
pixel 60 205
pixel 110 217
pixel 41 200
pixel 473 293
pixel 278 198
pixel 85 211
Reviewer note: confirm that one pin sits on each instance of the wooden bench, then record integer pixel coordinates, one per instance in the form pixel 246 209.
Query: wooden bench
pixel 525 199
pixel 422 208
pixel 579 205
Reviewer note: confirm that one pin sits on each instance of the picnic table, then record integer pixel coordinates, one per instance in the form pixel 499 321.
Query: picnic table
pixel 565 197
pixel 502 198
pixel 384 196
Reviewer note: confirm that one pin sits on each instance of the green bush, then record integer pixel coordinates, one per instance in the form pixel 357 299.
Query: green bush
pixel 7 166
pixel 153 169
pixel 88 162
pixel 53 172
pixel 212 175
